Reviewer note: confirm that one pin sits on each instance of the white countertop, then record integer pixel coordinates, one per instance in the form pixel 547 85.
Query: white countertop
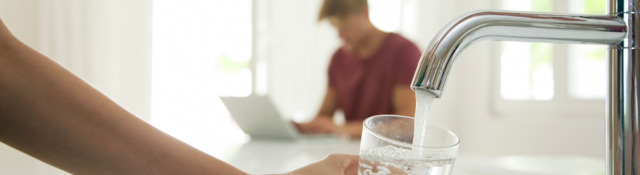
pixel 272 156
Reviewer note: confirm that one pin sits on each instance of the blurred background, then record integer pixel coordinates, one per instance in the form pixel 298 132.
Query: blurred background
pixel 167 62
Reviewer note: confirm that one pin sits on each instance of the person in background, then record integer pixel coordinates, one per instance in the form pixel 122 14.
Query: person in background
pixel 54 116
pixel 370 74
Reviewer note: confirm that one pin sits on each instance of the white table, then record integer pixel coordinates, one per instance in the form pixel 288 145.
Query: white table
pixel 272 156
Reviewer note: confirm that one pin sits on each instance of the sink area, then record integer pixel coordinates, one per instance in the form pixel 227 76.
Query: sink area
pixel 287 156
pixel 528 165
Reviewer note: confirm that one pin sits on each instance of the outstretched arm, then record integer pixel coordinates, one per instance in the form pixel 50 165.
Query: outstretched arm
pixel 52 115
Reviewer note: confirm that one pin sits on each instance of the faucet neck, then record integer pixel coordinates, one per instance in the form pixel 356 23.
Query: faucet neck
pixel 446 46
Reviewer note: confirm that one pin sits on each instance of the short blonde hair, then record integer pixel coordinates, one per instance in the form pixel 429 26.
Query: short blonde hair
pixel 341 8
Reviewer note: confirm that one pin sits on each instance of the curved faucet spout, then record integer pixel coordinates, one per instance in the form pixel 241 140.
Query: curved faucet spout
pixel 436 62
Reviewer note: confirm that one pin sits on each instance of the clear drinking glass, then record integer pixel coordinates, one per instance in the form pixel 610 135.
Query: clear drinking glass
pixel 387 148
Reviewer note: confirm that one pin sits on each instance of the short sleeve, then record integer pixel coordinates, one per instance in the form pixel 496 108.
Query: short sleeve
pixel 407 60
pixel 331 71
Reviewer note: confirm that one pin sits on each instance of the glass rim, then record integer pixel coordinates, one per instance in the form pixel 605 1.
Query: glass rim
pixel 404 143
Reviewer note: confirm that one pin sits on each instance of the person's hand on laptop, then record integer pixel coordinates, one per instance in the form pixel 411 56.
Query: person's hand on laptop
pixel 319 125
pixel 325 125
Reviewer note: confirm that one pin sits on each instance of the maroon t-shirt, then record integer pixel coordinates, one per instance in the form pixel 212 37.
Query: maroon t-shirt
pixel 364 87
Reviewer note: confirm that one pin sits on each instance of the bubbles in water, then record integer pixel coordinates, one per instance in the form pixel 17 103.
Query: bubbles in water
pixel 392 160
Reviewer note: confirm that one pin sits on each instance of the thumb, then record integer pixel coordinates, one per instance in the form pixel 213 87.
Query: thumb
pixel 349 164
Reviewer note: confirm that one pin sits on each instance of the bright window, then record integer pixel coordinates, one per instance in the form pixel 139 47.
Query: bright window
pixel 587 64
pixel 386 14
pixel 394 16
pixel 551 79
pixel 201 49
pixel 233 42
pixel 526 69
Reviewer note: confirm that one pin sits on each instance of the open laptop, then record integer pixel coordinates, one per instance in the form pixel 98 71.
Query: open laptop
pixel 258 117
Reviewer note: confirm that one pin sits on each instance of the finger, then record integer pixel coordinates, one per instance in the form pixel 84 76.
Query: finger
pixel 316 130
pixel 297 125
pixel 328 129
pixel 322 125
pixel 348 164
pixel 351 165
pixel 320 130
pixel 306 127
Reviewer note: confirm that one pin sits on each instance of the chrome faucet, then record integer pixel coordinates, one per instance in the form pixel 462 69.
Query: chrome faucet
pixel 617 30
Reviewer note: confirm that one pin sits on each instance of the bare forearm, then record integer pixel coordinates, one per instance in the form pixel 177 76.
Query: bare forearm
pixel 408 113
pixel 404 101
pixel 50 114
pixel 353 128
pixel 329 104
